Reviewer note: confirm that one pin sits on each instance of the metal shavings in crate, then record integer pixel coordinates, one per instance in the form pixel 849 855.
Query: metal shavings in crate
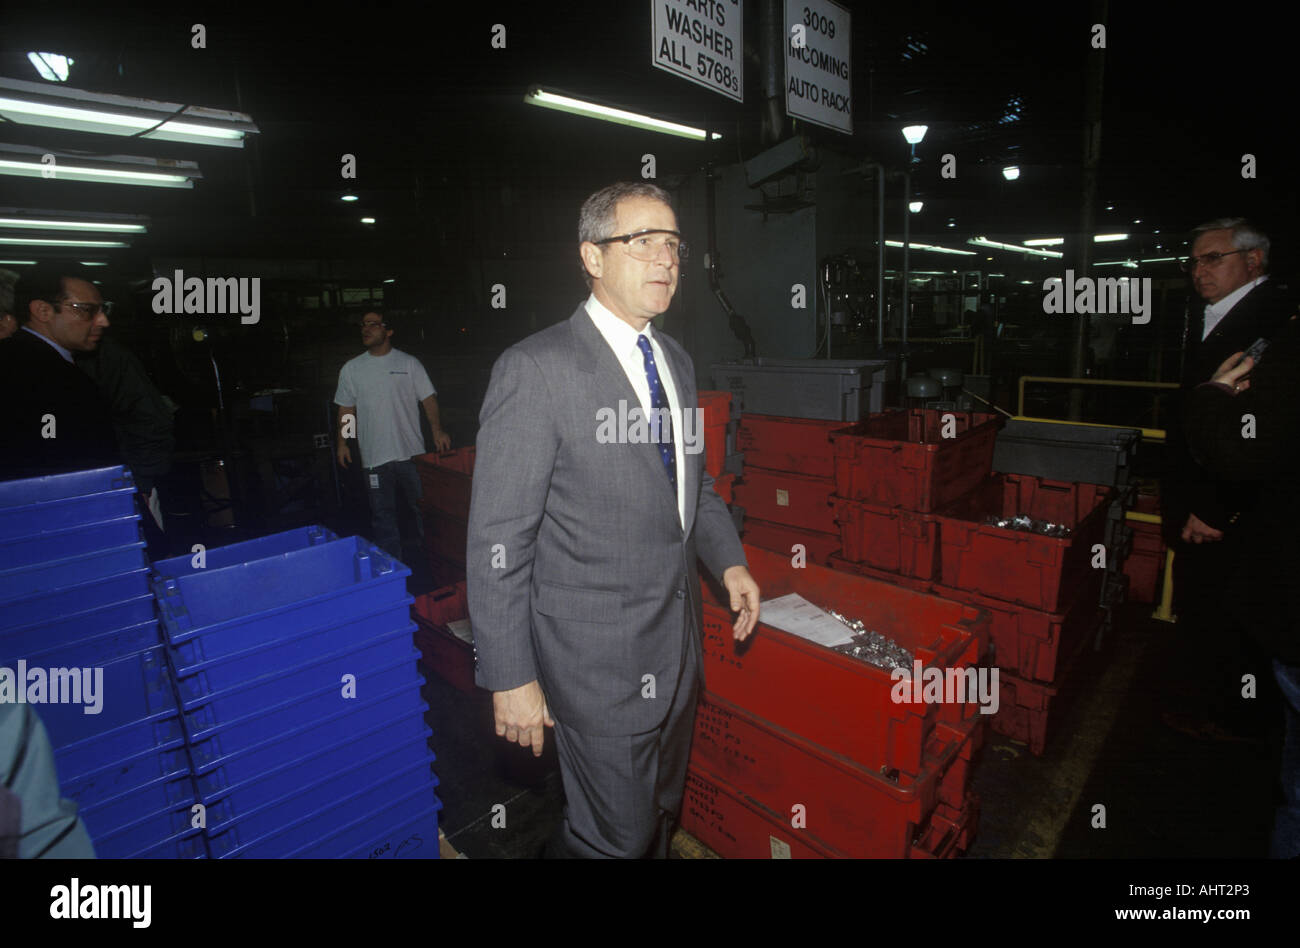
pixel 1027 524
pixel 872 647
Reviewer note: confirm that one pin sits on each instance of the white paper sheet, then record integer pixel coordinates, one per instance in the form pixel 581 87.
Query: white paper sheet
pixel 460 629
pixel 794 614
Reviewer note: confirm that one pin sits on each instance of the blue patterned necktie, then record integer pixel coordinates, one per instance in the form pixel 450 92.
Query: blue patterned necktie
pixel 659 400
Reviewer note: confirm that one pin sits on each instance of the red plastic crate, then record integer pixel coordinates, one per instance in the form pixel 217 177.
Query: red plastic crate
pixel 845 806
pixel 736 827
pixel 445 572
pixel 894 579
pixel 715 448
pixel 794 500
pixel 1145 564
pixel 445 537
pixel 445 481
pixel 1029 642
pixel 801 445
pixel 894 539
pixel 441 650
pixel 716 407
pixel 724 487
pixel 780 538
pixel 827 698
pixel 949 832
pixel 1017 566
pixel 899 459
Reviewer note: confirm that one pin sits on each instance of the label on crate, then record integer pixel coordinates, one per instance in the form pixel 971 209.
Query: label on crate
pixel 780 848
pixel 782 498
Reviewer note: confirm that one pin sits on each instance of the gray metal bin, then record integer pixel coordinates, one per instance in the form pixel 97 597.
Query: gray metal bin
pixel 1064 452
pixel 830 389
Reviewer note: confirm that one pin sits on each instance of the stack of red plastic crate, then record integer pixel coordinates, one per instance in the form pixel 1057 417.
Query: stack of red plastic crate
pixel 715 408
pixel 801 751
pixel 788 483
pixel 1146 560
pixel 446 479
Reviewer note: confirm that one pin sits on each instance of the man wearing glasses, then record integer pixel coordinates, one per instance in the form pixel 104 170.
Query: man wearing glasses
pixel 377 395
pixel 53 418
pixel 584 597
pixel 1228 267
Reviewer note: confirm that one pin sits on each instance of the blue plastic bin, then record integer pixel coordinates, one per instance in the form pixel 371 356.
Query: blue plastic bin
pixel 71 631
pixel 165 834
pixel 75 600
pixel 410 763
pixel 388 828
pixel 271 691
pixel 313 723
pixel 58 576
pixel 415 838
pixel 390 791
pixel 34 548
pixel 33 504
pixel 221 667
pixel 134 688
pixel 261 774
pixel 105 817
pixel 96 650
pixel 238 554
pixel 333 581
pixel 125 775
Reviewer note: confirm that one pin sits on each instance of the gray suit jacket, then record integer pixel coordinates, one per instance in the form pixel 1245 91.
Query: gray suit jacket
pixel 579 573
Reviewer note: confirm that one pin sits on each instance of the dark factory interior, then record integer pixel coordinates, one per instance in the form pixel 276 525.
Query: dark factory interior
pixel 944 279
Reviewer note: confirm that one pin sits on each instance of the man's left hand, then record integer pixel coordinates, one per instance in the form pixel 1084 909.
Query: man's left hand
pixel 1232 372
pixel 441 440
pixel 744 599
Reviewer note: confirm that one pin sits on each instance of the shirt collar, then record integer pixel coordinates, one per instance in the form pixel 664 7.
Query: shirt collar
pixel 1224 306
pixel 46 339
pixel 621 337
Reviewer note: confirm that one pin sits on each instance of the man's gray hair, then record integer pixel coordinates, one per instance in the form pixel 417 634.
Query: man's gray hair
pixel 7 280
pixel 596 219
pixel 1245 236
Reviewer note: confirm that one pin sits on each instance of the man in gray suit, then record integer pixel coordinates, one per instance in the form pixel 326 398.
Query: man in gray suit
pixel 584 528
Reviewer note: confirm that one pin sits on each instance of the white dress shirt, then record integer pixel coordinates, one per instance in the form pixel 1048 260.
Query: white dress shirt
pixel 57 348
pixel 1214 312
pixel 622 339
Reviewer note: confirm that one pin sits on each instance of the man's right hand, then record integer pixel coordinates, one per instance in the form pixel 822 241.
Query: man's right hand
pixel 520 715
pixel 1196 530
pixel 344 455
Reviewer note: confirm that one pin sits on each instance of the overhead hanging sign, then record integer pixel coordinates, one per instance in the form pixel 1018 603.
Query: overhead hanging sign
pixel 700 40
pixel 818 64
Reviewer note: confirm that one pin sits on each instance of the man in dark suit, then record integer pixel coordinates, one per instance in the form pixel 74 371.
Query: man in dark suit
pixel 1242 303
pixel 584 597
pixel 53 417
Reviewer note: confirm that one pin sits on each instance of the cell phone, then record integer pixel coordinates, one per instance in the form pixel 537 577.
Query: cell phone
pixel 1256 350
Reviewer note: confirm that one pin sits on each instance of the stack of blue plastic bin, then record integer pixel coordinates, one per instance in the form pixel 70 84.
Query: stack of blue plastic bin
pixel 300 697
pixel 75 607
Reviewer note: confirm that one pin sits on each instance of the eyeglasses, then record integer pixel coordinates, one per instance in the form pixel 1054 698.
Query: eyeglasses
pixel 1209 259
pixel 641 246
pixel 372 325
pixel 88 310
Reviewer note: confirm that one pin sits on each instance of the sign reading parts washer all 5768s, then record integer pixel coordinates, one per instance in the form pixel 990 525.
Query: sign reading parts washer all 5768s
pixel 700 40
pixel 818 66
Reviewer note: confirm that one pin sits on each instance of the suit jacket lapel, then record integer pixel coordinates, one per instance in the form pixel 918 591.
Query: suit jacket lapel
pixel 691 462
pixel 596 358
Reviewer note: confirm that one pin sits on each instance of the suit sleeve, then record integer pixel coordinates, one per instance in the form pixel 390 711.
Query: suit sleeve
pixel 516 451
pixel 716 542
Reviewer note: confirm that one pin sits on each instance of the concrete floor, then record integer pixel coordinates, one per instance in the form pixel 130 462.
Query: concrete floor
pixel 1165 794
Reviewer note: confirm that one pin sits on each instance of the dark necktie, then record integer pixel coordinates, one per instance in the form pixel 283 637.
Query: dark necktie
pixel 659 400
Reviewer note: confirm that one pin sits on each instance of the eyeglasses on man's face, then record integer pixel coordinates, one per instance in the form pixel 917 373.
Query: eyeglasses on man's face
pixel 1208 259
pixel 87 311
pixel 648 245
pixel 372 324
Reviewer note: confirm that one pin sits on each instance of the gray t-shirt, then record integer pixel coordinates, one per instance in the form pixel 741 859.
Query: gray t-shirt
pixel 386 390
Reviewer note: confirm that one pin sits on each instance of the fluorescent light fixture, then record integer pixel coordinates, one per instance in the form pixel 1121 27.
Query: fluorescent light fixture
pixel 19 263
pixel 367 220
pixel 53 67
pixel 349 197
pixel 1045 242
pixel 25 162
pixel 930 247
pixel 1011 172
pixel 1106 238
pixel 31 103
pixel 914 133
pixel 60 242
pixel 94 263
pixel 915 207
pixel 575 106
pixel 1132 263
pixel 12 218
pixel 1019 248
pixel 390 280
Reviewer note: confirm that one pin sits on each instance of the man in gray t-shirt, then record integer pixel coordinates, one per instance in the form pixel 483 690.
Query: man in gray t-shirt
pixel 377 395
